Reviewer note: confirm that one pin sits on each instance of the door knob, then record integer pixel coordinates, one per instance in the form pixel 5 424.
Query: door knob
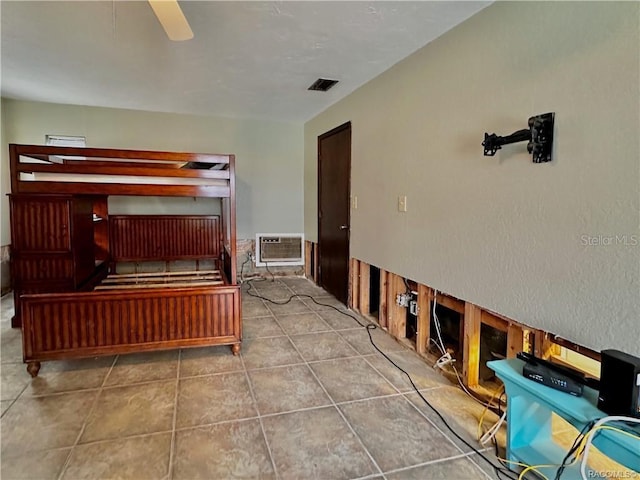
pixel 344 227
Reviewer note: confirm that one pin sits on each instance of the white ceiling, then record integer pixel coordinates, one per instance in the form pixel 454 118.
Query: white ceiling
pixel 248 59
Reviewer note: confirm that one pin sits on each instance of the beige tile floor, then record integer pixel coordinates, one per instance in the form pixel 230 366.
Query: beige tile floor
pixel 308 397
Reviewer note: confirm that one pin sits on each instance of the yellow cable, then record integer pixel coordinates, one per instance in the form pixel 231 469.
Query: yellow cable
pixel 527 467
pixel 580 450
pixel 535 469
pixel 593 431
pixel 607 427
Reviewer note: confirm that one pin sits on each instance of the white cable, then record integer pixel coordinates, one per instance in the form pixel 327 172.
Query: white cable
pixel 446 359
pixel 493 430
pixel 591 434
pixel 437 345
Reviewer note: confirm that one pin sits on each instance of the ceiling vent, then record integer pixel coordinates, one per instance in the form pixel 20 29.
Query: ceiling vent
pixel 322 84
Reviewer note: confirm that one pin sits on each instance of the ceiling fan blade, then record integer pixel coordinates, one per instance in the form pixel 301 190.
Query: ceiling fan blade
pixel 172 19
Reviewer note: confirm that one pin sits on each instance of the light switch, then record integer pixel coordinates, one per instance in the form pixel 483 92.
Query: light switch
pixel 354 202
pixel 402 203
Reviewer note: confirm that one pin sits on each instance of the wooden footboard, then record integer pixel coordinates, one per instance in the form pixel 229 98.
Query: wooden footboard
pixel 72 325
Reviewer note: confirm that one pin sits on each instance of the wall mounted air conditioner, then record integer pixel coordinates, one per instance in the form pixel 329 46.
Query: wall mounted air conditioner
pixel 279 249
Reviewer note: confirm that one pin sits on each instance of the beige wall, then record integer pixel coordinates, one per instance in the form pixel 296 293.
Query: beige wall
pixel 5 182
pixel 268 156
pixel 501 231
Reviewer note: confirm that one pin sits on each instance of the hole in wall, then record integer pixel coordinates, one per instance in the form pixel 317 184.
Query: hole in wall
pixel 451 324
pixel 493 346
pixel 374 291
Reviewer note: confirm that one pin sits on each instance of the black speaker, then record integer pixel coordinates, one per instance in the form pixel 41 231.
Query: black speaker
pixel 619 384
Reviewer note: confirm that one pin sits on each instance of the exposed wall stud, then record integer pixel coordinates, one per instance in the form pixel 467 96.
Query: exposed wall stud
pixel 425 295
pixel 383 310
pixel 308 267
pixel 515 340
pixel 397 314
pixel 365 285
pixel 354 284
pixel 471 345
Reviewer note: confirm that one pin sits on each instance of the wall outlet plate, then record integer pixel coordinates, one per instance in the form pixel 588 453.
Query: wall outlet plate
pixel 402 203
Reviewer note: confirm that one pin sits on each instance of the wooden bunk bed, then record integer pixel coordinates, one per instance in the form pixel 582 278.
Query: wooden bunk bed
pixel 70 299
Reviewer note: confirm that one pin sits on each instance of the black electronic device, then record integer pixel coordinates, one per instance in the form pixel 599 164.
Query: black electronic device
pixel 555 376
pixel 619 383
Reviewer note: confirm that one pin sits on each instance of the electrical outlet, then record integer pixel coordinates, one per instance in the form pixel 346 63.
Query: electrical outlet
pixel 402 203
pixel 413 308
pixel 402 299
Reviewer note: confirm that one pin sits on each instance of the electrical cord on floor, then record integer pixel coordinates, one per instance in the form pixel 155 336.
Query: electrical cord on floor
pixel 499 470
pixel 273 278
pixel 249 258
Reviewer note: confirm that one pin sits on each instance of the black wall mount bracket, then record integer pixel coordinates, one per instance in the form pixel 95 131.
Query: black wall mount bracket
pixel 539 135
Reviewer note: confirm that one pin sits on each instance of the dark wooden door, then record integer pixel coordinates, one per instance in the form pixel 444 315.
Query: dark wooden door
pixel 334 178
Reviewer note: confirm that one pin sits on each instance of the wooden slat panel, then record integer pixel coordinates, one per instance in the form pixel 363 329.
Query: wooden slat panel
pixel 116 168
pixel 44 224
pixel 82 188
pixel 170 237
pixel 40 268
pixel 104 322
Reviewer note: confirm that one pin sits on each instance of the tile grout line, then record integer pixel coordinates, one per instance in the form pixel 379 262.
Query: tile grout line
pixel 432 422
pixel 477 464
pixel 169 475
pixel 94 405
pixel 244 419
pixel 429 462
pixel 404 395
pixel 15 399
pixel 362 445
pixel 344 419
pixel 462 453
pixel 308 363
pixel 264 433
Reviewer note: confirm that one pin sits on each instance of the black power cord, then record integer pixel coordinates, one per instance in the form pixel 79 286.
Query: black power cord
pixel 273 278
pixel 573 449
pixel 499 470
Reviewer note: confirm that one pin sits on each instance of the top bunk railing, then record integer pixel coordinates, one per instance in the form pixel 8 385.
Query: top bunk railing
pixel 103 171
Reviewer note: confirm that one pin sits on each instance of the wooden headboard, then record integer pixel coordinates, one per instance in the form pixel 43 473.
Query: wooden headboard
pixel 164 237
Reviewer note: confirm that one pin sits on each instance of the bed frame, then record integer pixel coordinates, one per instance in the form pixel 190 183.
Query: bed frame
pixel 66 248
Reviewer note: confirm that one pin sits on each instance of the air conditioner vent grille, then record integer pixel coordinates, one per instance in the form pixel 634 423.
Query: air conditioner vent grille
pixel 279 249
